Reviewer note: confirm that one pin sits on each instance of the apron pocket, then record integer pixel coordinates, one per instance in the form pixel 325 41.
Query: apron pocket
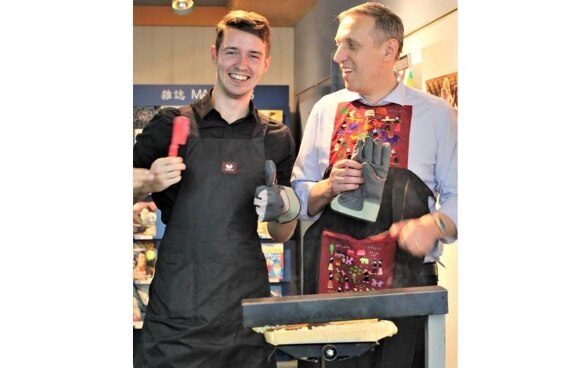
pixel 172 290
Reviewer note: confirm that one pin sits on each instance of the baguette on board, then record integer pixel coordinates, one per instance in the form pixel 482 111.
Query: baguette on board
pixel 362 330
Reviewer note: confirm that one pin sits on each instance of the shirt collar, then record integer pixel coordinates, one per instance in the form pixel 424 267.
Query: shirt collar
pixel 397 96
pixel 204 106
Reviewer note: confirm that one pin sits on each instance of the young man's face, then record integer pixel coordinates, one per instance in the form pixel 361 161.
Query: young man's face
pixel 240 62
pixel 364 62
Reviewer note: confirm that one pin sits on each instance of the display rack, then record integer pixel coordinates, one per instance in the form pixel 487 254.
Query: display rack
pixel 145 245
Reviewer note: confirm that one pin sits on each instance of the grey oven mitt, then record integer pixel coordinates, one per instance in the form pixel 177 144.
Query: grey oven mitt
pixel 275 202
pixel 364 202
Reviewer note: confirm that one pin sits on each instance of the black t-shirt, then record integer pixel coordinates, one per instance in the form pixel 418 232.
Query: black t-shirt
pixel 154 140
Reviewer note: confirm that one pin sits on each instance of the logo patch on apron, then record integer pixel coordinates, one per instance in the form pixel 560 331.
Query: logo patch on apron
pixel 229 167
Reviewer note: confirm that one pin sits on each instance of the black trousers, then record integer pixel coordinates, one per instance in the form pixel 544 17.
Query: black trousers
pixel 387 354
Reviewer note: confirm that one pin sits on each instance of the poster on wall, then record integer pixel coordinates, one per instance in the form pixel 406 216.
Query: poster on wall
pixel 275 115
pixel 445 87
pixel 153 97
pixel 272 100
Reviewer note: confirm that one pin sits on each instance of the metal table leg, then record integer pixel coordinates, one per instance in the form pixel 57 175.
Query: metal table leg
pixel 435 341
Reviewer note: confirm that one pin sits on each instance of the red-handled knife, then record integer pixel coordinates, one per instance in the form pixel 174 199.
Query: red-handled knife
pixel 180 131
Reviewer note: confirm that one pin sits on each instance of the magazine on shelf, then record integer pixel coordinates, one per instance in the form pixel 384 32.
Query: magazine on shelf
pixel 274 256
pixel 140 300
pixel 144 258
pixel 276 290
pixel 144 220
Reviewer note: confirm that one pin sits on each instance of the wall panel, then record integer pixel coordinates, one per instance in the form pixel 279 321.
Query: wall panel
pixel 180 55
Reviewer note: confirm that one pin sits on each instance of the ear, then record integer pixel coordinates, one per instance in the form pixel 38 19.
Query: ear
pixel 213 54
pixel 391 48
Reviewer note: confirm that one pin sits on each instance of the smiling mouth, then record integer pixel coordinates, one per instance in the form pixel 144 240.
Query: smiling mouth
pixel 346 70
pixel 239 77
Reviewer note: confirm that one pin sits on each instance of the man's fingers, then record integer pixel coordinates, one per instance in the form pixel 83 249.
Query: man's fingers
pixel 354 179
pixel 346 168
pixel 396 228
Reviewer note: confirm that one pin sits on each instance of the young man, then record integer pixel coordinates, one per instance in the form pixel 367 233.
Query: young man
pixel 422 132
pixel 210 257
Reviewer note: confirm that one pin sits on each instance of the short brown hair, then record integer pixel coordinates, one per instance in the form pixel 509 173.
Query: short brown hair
pixel 249 22
pixel 387 24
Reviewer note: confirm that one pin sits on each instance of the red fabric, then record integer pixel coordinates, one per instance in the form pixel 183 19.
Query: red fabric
pixel 390 123
pixel 349 264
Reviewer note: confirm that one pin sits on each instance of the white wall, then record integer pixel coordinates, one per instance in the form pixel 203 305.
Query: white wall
pixel 434 53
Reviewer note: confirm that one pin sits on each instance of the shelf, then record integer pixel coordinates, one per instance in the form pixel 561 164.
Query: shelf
pixel 142 282
pixel 139 237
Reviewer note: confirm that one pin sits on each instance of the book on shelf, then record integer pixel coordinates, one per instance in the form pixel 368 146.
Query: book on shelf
pixel 274 257
pixel 144 220
pixel 144 258
pixel 276 290
pixel 140 300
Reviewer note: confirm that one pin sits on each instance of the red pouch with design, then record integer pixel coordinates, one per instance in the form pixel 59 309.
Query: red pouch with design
pixel 349 264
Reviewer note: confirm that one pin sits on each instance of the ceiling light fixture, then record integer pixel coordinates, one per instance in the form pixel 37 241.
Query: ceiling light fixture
pixel 182 7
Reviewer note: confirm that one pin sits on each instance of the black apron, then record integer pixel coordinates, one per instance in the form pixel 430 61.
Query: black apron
pixel 405 197
pixel 210 258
